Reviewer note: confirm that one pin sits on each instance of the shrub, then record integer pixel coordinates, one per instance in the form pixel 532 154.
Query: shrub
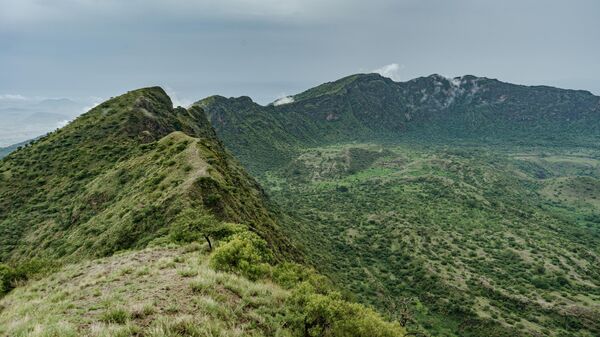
pixel 244 253
pixel 329 315
pixel 7 277
pixel 193 225
pixel 26 270
pixel 290 275
pixel 190 226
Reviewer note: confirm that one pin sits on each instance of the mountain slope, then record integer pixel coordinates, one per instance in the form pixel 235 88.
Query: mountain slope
pixel 368 107
pixel 5 151
pixel 458 241
pixel 118 177
pixel 189 290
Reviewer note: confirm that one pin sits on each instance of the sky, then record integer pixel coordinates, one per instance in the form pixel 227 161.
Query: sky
pixel 89 50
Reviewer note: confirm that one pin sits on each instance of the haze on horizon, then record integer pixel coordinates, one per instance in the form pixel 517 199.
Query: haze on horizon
pixel 87 50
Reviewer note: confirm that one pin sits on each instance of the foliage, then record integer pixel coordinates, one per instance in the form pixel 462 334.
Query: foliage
pixel 331 316
pixel 245 253
pixel 115 315
pixel 371 108
pixel 173 292
pixel 119 177
pixel 7 277
pixel 447 239
pixel 464 207
pixel 378 181
pixel 134 171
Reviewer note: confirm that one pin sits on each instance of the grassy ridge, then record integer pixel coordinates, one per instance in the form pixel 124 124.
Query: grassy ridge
pixel 152 188
pixel 116 178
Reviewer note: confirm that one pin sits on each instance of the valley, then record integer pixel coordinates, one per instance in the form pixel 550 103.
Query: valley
pixel 452 240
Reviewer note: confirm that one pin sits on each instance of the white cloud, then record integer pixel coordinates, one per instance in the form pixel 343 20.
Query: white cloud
pixel 283 100
pixel 63 123
pixel 391 71
pixel 177 101
pixel 12 97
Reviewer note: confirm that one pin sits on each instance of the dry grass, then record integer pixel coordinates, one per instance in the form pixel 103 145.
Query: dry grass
pixel 154 292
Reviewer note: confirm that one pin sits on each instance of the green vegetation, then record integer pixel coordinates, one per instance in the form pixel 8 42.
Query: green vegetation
pixel 126 223
pixel 371 108
pixel 5 151
pixel 463 207
pixel 144 293
pixel 454 242
pixel 117 178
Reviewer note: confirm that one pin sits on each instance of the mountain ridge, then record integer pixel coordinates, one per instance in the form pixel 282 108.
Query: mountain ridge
pixel 136 221
pixel 370 106
pixel 113 155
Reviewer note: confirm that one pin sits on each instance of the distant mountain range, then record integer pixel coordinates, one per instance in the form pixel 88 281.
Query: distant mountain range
pixel 435 108
pixel 26 118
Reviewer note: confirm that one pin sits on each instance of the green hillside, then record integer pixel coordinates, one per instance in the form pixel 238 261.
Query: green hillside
pixel 116 177
pixel 134 221
pixel 446 207
pixel 187 291
pixel 369 107
pixel 464 207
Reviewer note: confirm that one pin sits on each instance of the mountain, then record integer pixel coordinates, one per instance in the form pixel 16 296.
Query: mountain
pixel 65 191
pixel 367 107
pixel 464 207
pixel 4 151
pixel 30 117
pixel 433 207
pixel 133 220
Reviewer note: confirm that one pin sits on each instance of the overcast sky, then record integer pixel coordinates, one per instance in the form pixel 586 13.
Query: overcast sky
pixel 270 48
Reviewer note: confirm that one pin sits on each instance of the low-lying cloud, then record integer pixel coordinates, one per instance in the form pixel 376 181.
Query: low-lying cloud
pixel 283 100
pixel 391 71
pixel 12 97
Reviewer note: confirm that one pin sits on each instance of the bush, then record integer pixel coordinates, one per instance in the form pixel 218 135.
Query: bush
pixel 244 253
pixel 291 275
pixel 24 271
pixel 7 277
pixel 193 225
pixel 190 226
pixel 329 315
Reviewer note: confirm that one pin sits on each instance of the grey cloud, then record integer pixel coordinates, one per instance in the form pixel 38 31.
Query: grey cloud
pixel 263 48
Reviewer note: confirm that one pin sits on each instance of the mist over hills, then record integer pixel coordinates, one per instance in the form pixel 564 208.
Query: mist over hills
pixel 25 118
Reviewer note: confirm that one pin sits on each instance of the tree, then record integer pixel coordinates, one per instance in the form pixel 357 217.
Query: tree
pixel 194 224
